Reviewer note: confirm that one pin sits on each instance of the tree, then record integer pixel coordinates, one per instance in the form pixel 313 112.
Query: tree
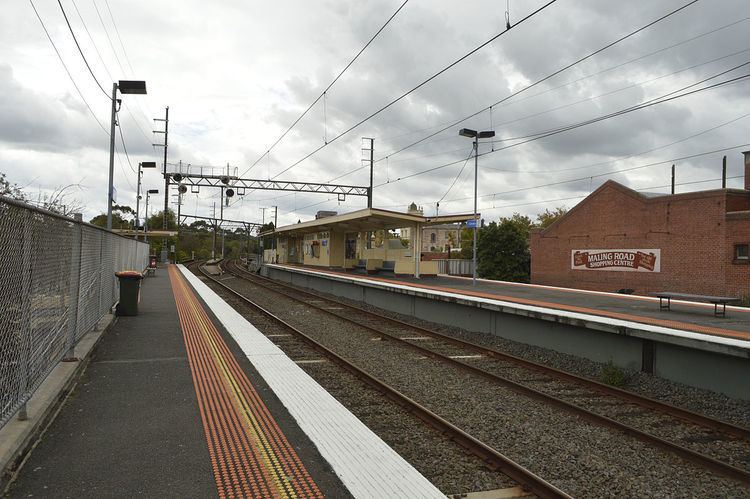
pixel 10 190
pixel 118 218
pixel 547 218
pixel 503 250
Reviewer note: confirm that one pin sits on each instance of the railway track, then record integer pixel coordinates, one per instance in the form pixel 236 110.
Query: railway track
pixel 704 441
pixel 490 456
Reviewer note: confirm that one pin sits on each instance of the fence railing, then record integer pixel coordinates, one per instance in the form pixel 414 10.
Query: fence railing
pixel 56 282
pixel 455 267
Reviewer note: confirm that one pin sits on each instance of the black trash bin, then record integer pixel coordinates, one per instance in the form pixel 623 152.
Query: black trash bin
pixel 130 290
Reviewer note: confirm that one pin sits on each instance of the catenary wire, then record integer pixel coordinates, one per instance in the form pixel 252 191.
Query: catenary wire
pixel 405 94
pixel 549 76
pixel 80 51
pixel 453 151
pixel 575 125
pixel 268 151
pixel 80 94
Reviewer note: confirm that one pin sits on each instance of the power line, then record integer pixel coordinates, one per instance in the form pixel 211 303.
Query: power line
pixel 66 69
pixel 117 31
pixel 614 172
pixel 124 148
pixel 551 75
pixel 322 95
pixel 602 163
pixel 397 99
pixel 459 174
pixel 81 51
pixel 581 124
pixel 548 111
pixel 106 33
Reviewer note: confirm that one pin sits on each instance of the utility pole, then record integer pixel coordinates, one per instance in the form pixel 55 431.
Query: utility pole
pixel 371 149
pixel 138 201
pixel 213 243
pixel 112 155
pixel 275 240
pixel 166 178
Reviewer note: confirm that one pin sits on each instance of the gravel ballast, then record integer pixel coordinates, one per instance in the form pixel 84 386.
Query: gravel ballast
pixel 576 456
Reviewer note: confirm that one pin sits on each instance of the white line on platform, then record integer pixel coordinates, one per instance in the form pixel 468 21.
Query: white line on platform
pixel 366 465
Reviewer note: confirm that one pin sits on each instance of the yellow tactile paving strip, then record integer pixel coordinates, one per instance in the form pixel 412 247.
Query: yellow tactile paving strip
pixel 250 455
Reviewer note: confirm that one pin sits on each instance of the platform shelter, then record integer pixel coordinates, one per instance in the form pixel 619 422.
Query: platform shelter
pixel 364 239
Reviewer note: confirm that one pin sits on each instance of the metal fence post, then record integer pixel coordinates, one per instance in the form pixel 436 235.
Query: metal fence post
pixel 26 277
pixel 75 284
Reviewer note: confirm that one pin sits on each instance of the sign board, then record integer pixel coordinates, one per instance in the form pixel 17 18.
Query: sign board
pixel 619 260
pixel 471 224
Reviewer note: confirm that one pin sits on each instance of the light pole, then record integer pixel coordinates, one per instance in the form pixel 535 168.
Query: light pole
pixel 125 87
pixel 145 223
pixel 467 132
pixel 145 164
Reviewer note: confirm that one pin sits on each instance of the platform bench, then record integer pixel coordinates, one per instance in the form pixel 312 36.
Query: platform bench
pixel 388 267
pixel 716 300
pixel 361 267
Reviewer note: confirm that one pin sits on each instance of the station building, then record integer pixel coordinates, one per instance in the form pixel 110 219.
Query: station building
pixel 618 239
pixel 361 237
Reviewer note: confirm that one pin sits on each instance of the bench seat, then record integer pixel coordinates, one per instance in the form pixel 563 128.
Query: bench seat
pixel 361 267
pixel 388 267
pixel 716 300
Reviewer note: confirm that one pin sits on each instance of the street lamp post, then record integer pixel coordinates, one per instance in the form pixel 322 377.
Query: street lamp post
pixel 145 222
pixel 125 87
pixel 467 132
pixel 145 164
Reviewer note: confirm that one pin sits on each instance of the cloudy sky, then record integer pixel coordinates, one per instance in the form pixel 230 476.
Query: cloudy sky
pixel 236 74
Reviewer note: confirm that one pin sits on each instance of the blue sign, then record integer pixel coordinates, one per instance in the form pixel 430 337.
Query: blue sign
pixel 471 224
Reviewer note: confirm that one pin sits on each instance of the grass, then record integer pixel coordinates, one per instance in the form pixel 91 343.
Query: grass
pixel 613 375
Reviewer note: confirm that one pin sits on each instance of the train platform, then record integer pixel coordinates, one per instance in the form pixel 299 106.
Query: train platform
pixel 685 316
pixel 188 399
pixel 568 320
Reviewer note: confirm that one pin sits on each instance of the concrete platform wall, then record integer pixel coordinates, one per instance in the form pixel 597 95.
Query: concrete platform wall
pixel 703 369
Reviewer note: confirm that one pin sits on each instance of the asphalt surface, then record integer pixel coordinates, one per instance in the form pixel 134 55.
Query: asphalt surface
pixel 132 426
pixel 698 314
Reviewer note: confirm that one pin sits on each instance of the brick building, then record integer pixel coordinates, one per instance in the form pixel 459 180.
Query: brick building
pixel 617 238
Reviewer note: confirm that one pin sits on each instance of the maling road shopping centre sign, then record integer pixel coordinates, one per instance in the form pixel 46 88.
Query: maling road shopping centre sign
pixel 621 260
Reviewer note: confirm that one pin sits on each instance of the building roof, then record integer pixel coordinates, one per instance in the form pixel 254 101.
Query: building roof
pixel 646 197
pixel 368 219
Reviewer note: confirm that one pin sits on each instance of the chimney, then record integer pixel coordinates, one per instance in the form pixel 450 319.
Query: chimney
pixel 747 170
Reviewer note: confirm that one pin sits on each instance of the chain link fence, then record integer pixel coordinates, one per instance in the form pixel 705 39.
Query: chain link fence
pixel 56 281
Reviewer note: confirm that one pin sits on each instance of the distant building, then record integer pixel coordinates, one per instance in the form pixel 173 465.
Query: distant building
pixel 617 238
pixel 435 238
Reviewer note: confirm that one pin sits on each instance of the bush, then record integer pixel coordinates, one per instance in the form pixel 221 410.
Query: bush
pixel 613 375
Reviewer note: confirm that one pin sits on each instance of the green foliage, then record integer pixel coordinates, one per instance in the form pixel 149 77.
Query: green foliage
pixel 119 212
pixel 10 190
pixel 547 217
pixel 156 222
pixel 613 375
pixel 503 250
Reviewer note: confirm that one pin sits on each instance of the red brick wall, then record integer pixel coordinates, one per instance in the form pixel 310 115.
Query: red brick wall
pixel 737 272
pixel 689 229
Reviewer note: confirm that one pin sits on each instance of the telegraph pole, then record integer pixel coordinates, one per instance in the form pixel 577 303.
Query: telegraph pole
pixel 371 149
pixel 166 178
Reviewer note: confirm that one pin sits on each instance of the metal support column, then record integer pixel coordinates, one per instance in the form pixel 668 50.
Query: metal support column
pixel 74 288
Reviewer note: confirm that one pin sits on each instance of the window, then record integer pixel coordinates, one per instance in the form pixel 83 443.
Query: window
pixel 742 252
pixel 433 237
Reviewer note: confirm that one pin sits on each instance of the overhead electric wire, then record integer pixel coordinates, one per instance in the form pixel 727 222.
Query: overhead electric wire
pixel 647 103
pixel 604 174
pixel 543 112
pixel 621 158
pixel 402 96
pixel 106 68
pixel 67 71
pixel 81 51
pixel 124 148
pixel 551 75
pixel 329 86
pixel 459 174
pixel 578 125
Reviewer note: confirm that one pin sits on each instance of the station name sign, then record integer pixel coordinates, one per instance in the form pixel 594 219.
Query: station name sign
pixel 622 260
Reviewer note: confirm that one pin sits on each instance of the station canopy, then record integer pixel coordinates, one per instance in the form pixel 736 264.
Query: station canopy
pixel 368 219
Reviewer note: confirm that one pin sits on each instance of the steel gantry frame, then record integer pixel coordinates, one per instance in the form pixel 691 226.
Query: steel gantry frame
pixel 271 185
